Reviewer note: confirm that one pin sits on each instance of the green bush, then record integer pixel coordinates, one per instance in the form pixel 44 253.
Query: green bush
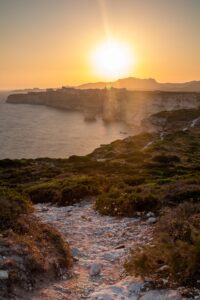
pixel 180 192
pixel 12 205
pixel 45 192
pixel 63 191
pixel 36 250
pixel 126 202
pixel 175 253
pixel 134 180
pixel 166 159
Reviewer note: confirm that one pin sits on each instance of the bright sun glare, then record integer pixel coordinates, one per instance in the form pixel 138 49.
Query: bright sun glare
pixel 112 60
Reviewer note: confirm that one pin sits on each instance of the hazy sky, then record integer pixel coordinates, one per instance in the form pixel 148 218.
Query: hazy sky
pixel 47 43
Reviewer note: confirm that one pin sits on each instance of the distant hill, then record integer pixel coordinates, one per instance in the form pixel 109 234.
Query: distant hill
pixel 27 90
pixel 150 84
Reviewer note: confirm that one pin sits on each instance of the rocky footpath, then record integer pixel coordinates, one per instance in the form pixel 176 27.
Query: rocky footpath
pixel 99 246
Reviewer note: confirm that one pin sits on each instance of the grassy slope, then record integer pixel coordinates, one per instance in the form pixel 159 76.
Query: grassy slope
pixel 31 250
pixel 126 176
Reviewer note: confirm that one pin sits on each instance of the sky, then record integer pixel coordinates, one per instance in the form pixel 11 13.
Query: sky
pixel 50 43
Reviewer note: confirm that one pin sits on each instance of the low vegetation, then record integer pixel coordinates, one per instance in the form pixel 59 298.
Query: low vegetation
pixel 147 172
pixel 12 206
pixel 175 252
pixel 63 191
pixel 127 201
pixel 32 250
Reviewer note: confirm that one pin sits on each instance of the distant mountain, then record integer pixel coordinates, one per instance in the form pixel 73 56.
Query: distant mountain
pixel 150 84
pixel 27 90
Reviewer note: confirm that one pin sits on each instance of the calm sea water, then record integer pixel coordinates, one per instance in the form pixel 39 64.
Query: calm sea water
pixel 28 131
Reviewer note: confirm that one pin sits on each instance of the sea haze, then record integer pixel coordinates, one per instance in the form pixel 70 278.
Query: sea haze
pixel 31 131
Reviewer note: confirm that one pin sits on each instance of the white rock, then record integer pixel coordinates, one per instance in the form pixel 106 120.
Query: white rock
pixel 95 269
pixel 163 268
pixel 4 275
pixel 150 214
pixel 151 220
pixel 101 159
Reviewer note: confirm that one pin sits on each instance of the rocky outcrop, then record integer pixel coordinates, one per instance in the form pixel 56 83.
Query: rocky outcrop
pixel 111 104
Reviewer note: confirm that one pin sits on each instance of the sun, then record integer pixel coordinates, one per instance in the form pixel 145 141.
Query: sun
pixel 112 59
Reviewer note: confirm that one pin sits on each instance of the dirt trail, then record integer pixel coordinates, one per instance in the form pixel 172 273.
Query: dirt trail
pixel 99 245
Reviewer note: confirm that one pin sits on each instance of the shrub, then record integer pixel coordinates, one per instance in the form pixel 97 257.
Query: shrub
pixel 12 205
pixel 126 202
pixel 175 253
pixel 33 250
pixel 45 192
pixel 180 192
pixel 134 180
pixel 43 243
pixel 166 159
pixel 63 191
pixel 78 188
pixel 9 163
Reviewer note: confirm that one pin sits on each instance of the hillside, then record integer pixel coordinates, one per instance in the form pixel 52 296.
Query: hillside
pixel 152 176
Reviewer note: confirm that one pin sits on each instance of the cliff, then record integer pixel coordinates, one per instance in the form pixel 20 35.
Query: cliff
pixel 131 107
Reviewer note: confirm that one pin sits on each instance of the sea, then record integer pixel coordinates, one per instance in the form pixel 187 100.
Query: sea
pixel 33 131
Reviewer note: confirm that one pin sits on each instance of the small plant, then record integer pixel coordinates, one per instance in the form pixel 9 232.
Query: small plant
pixel 64 191
pixel 126 201
pixel 13 204
pixel 175 253
pixel 36 249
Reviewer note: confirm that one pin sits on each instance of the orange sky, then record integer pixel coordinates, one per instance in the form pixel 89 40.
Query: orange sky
pixel 49 43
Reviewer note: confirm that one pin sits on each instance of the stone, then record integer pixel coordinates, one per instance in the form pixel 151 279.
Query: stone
pixel 151 220
pixel 4 275
pixel 113 255
pixel 101 159
pixel 163 268
pixel 102 297
pixel 95 269
pixel 120 247
pixel 44 209
pixel 150 214
pixel 161 295
pixel 68 208
pixel 135 288
pixel 61 289
pixel 76 252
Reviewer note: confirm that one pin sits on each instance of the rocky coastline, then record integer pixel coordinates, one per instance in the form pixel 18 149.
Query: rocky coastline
pixel 132 107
